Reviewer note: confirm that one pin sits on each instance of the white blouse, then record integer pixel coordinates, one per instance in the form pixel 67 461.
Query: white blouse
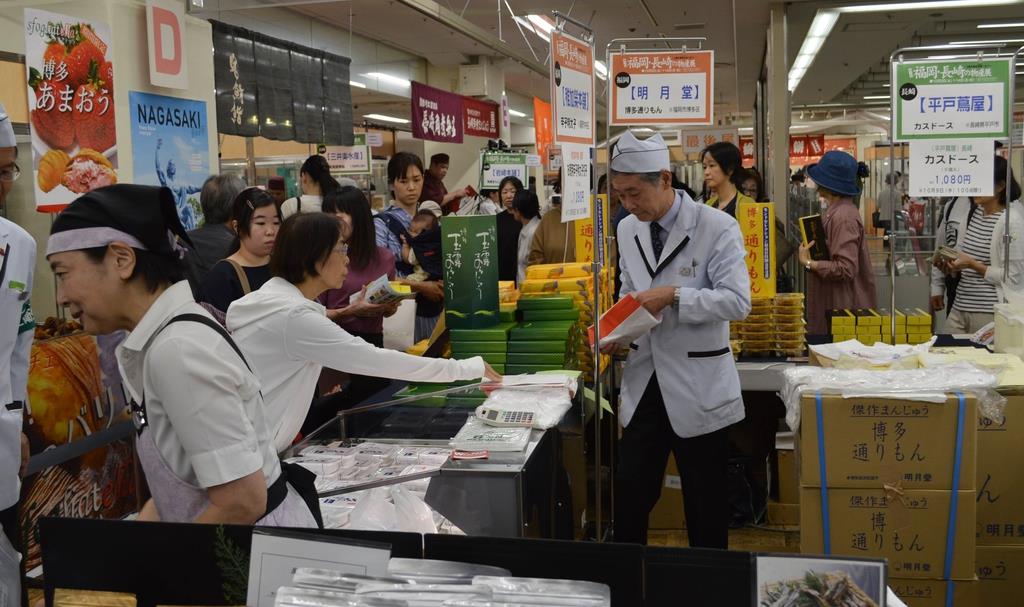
pixel 525 243
pixel 202 403
pixel 310 204
pixel 288 340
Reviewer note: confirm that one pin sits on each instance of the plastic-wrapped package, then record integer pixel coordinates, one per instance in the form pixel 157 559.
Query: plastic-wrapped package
pixel 290 596
pixel 380 452
pixel 325 467
pixel 475 435
pixel 374 512
pixel 419 485
pixel 852 354
pixel 548 404
pixel 538 591
pixel 411 513
pixel 434 457
pixel 338 581
pixel 430 571
pixel 926 385
pixel 424 595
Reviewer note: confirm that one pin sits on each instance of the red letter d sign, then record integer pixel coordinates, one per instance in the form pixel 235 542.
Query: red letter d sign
pixel 165 24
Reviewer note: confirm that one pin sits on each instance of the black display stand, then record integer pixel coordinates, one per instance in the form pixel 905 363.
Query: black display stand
pixel 188 564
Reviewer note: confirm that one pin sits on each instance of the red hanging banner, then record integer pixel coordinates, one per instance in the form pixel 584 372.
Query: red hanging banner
pixel 480 118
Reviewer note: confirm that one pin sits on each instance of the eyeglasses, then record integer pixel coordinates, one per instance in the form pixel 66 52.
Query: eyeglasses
pixel 10 173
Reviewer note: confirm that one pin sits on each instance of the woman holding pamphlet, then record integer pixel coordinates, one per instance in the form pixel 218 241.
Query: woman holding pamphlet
pixel 288 339
pixel 841 276
pixel 348 306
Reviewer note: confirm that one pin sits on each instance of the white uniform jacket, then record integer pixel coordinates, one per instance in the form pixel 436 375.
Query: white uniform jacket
pixel 17 329
pixel 703 257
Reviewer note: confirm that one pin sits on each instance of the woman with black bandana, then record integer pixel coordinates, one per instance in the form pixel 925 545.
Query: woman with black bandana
pixel 202 438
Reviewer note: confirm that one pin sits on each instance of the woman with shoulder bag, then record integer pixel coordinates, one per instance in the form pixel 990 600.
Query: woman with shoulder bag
pixel 255 219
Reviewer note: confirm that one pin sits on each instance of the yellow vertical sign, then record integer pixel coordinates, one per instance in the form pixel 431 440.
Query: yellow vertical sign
pixel 585 231
pixel 757 223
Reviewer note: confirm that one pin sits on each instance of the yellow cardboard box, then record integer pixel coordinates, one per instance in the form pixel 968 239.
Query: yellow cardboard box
pixel 906 527
pixel 668 512
pixel 1001 576
pixel 1001 477
pixel 871 442
pixel 932 593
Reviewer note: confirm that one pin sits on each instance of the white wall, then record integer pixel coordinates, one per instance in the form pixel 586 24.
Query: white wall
pixel 127 21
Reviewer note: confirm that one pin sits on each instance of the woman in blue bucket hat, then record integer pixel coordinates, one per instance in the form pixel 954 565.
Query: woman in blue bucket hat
pixel 844 280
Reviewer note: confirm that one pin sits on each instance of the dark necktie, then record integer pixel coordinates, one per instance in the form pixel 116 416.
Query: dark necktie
pixel 656 239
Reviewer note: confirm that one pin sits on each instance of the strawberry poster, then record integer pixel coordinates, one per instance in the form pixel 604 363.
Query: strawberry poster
pixel 71 105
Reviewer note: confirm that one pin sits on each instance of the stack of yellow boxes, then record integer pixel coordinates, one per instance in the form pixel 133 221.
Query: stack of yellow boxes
pixel 757 331
pixel 790 327
pixel 1000 529
pixel 897 486
pixel 573 280
pixel 913 326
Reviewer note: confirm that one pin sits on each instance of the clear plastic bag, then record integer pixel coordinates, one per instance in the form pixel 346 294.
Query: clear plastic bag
pixel 548 404
pixel 429 571
pixel 289 596
pixel 337 581
pixel 424 595
pixel 412 514
pixel 374 512
pixel 927 385
pixel 538 591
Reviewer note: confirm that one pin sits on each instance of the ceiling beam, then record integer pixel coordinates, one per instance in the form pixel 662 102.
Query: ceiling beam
pixel 453 21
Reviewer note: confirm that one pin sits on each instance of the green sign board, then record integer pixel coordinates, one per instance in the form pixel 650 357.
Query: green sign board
pixel 469 252
pixel 349 160
pixel 495 166
pixel 952 99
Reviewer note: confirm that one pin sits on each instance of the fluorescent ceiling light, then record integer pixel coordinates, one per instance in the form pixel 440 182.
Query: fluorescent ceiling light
pixel 542 23
pixel 983 26
pixel 824 21
pixel 358 85
pixel 988 42
pixel 916 6
pixel 536 30
pixel 517 114
pixel 876 96
pixel 384 118
pixel 600 70
pixel 388 78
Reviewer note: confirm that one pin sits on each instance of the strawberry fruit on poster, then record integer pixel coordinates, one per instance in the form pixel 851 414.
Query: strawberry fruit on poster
pixel 71 105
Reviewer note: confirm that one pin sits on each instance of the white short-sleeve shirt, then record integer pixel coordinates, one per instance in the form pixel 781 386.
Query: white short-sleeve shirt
pixel 203 405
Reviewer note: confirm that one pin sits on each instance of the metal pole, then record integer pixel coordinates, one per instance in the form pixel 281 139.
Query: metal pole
pixel 1007 237
pixel 891 236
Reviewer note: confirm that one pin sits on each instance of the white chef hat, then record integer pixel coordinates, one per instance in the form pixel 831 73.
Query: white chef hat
pixel 632 155
pixel 6 129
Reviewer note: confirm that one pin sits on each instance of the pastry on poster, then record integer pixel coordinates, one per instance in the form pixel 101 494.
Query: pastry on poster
pixel 71 106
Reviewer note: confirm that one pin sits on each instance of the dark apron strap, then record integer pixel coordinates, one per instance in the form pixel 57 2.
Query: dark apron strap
pixel 304 483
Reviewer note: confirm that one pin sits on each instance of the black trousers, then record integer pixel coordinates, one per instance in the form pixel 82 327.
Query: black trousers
pixel 702 461
pixel 358 389
pixel 11 524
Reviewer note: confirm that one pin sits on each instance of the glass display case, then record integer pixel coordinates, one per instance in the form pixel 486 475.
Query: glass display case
pixel 522 493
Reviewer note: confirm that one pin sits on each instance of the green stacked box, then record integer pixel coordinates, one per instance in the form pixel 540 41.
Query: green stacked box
pixel 570 314
pixel 496 333
pixel 479 347
pixel 536 358
pixel 544 303
pixel 540 347
pixel 553 330
pixel 492 358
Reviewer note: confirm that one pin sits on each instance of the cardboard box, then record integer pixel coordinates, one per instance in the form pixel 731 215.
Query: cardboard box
pixel 783 515
pixel 1001 477
pixel 668 512
pixel 932 593
pixel 907 528
pixel 788 474
pixel 1000 575
pixel 870 442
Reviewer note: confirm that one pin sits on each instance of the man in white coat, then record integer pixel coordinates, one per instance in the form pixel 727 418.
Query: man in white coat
pixel 685 262
pixel 17 328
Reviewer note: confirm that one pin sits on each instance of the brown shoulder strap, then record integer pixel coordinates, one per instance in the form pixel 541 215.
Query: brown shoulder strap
pixel 242 278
